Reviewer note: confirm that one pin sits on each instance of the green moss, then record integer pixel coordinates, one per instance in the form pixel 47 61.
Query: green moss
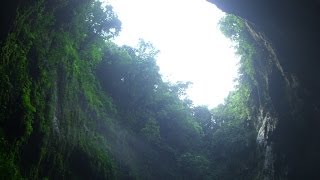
pixel 35 60
pixel 9 169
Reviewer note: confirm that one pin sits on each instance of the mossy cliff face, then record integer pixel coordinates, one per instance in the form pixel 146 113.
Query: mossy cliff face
pixel 287 92
pixel 49 109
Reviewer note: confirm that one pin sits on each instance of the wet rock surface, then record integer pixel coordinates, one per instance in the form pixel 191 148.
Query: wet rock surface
pixel 288 118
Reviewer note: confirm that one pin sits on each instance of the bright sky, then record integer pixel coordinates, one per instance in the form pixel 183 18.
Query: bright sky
pixel 192 48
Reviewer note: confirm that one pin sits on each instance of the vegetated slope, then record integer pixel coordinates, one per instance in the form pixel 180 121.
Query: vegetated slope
pixel 76 106
pixel 50 100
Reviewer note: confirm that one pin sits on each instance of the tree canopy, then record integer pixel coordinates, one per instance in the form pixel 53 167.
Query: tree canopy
pixel 74 105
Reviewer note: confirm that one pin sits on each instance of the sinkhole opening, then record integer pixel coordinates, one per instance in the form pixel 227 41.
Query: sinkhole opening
pixel 191 46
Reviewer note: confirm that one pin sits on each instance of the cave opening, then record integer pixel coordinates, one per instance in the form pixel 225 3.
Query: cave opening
pixel 192 48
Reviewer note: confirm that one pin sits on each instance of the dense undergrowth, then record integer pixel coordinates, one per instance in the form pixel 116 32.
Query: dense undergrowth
pixel 76 106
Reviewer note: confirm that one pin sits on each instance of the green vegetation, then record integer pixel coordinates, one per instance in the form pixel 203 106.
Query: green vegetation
pixel 76 106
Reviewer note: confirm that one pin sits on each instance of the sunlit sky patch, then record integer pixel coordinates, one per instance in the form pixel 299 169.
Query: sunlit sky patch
pixel 192 48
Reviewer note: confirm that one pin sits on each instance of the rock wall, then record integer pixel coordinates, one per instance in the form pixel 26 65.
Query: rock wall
pixel 287 114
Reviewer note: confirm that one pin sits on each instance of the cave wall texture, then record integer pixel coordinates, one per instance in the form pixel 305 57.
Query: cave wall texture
pixel 7 15
pixel 287 119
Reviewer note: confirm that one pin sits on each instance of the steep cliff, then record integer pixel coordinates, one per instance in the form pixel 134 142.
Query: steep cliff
pixel 287 98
